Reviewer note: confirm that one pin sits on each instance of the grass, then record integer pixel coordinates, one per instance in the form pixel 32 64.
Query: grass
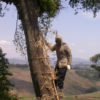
pixel 92 96
pixel 89 96
pixel 70 98
pixel 24 98
pixel 66 98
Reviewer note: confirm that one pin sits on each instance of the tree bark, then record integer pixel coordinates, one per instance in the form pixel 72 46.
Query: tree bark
pixel 29 17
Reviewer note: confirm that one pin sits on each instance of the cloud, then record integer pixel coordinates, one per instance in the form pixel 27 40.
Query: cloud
pixel 9 37
pixel 81 51
pixel 90 15
pixel 72 44
pixel 3 42
pixel 10 51
pixel 94 50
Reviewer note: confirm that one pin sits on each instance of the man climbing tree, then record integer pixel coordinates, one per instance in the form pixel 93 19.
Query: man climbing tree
pixel 64 58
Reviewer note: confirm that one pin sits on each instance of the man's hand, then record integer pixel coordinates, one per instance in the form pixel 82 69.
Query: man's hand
pixel 46 42
pixel 68 67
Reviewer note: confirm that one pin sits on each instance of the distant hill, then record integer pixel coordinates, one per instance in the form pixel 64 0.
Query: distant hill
pixel 52 60
pixel 80 60
pixel 18 60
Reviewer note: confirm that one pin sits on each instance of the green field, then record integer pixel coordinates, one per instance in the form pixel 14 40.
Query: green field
pixel 24 98
pixel 78 99
pixel 90 96
pixel 67 98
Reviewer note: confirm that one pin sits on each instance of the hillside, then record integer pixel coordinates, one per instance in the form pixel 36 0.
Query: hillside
pixel 74 84
pixel 22 81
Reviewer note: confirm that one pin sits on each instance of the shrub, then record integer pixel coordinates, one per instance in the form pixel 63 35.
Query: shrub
pixel 5 84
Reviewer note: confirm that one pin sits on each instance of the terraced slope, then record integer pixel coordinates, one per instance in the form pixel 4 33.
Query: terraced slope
pixel 74 84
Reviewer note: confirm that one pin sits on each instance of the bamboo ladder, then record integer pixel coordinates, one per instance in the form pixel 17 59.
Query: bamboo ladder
pixel 47 57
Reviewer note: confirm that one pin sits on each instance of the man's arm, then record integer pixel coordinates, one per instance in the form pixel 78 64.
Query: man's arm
pixel 52 48
pixel 68 51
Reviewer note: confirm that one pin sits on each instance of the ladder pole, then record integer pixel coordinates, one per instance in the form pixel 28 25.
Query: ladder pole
pixel 50 70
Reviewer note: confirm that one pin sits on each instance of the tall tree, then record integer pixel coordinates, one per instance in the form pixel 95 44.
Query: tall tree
pixel 29 11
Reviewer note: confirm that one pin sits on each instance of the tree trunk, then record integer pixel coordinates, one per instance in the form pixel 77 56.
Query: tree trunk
pixel 42 82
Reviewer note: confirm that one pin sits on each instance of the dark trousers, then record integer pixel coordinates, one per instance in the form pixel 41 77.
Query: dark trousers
pixel 60 77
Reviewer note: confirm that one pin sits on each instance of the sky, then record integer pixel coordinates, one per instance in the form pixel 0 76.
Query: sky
pixel 81 32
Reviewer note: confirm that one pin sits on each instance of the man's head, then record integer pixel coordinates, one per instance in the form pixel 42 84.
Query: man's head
pixel 58 40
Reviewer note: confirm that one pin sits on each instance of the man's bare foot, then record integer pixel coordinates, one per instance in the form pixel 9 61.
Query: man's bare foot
pixel 61 95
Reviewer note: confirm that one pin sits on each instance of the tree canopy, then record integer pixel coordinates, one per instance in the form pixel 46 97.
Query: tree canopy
pixel 45 6
pixel 96 62
pixel 50 8
pixel 86 5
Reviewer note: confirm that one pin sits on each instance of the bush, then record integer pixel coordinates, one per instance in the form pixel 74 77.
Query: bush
pixel 5 84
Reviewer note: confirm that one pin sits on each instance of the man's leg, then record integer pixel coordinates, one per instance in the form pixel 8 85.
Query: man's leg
pixel 56 74
pixel 61 77
pixel 61 90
